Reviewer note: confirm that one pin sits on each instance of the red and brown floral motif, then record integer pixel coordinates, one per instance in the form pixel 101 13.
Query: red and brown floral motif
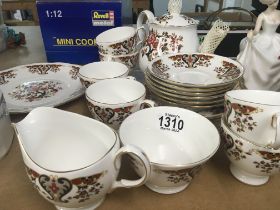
pixel 125 47
pixel 163 20
pixel 43 68
pixel 74 72
pixel 228 71
pixel 4 76
pixel 35 91
pixel 191 60
pixel 57 188
pixel 109 115
pixel 272 161
pixel 265 161
pixel 163 42
pixel 242 116
pixel 183 175
pixel 234 148
pixel 160 69
pixel 129 61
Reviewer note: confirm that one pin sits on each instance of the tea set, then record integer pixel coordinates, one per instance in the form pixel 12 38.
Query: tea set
pixel 195 103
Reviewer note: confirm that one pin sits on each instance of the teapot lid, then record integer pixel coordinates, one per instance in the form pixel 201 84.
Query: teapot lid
pixel 173 17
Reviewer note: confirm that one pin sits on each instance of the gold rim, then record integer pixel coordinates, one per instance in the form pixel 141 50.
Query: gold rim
pixel 185 101
pixel 192 89
pixel 193 96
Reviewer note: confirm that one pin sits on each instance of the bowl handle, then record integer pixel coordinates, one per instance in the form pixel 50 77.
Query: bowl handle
pixel 131 149
pixel 276 125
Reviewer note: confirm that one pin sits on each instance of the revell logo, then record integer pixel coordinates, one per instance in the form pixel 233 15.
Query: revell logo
pixel 103 18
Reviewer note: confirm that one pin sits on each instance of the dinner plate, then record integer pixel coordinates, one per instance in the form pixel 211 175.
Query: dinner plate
pixel 198 69
pixel 40 84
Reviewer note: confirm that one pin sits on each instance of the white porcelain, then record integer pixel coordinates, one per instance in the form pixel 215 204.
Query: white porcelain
pixel 6 130
pixel 250 163
pixel 254 115
pixel 119 41
pixel 170 33
pixel 177 142
pixel 72 160
pixel 130 60
pixel 196 70
pixel 40 84
pixel 259 51
pixel 112 100
pixel 97 71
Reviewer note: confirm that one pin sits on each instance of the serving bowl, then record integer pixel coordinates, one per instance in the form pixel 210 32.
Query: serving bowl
pixel 172 139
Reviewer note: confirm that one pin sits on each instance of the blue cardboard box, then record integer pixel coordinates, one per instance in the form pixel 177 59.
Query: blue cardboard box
pixel 69 27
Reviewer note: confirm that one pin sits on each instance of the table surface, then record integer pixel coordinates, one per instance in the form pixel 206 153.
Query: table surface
pixel 213 188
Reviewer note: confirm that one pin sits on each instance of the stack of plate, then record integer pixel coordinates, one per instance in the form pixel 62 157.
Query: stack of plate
pixel 194 81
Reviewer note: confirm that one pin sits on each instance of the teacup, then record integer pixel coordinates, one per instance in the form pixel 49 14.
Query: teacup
pixel 72 160
pixel 112 100
pixel 250 163
pixel 254 115
pixel 130 60
pixel 119 41
pixel 177 142
pixel 97 71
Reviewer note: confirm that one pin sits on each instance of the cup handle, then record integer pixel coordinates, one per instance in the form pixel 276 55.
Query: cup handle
pixel 151 18
pixel 130 149
pixel 147 104
pixel 276 125
pixel 141 39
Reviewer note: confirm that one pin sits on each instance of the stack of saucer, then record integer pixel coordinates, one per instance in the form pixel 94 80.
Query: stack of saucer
pixel 194 81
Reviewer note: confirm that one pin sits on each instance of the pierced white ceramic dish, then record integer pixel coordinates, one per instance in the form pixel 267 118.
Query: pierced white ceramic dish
pixel 173 140
pixel 40 84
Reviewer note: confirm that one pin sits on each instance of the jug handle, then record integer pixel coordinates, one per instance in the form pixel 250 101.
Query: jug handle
pixel 131 149
pixel 276 125
pixel 140 20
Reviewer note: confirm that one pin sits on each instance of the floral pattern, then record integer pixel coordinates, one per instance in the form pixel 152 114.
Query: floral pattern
pixel 35 91
pixel 121 48
pixel 163 20
pixel 108 115
pixel 266 162
pixel 56 188
pixel 6 75
pixel 160 69
pixel 183 175
pixel 242 116
pixel 234 148
pixel 74 72
pixel 164 42
pixel 43 68
pixel 191 60
pixel 228 71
